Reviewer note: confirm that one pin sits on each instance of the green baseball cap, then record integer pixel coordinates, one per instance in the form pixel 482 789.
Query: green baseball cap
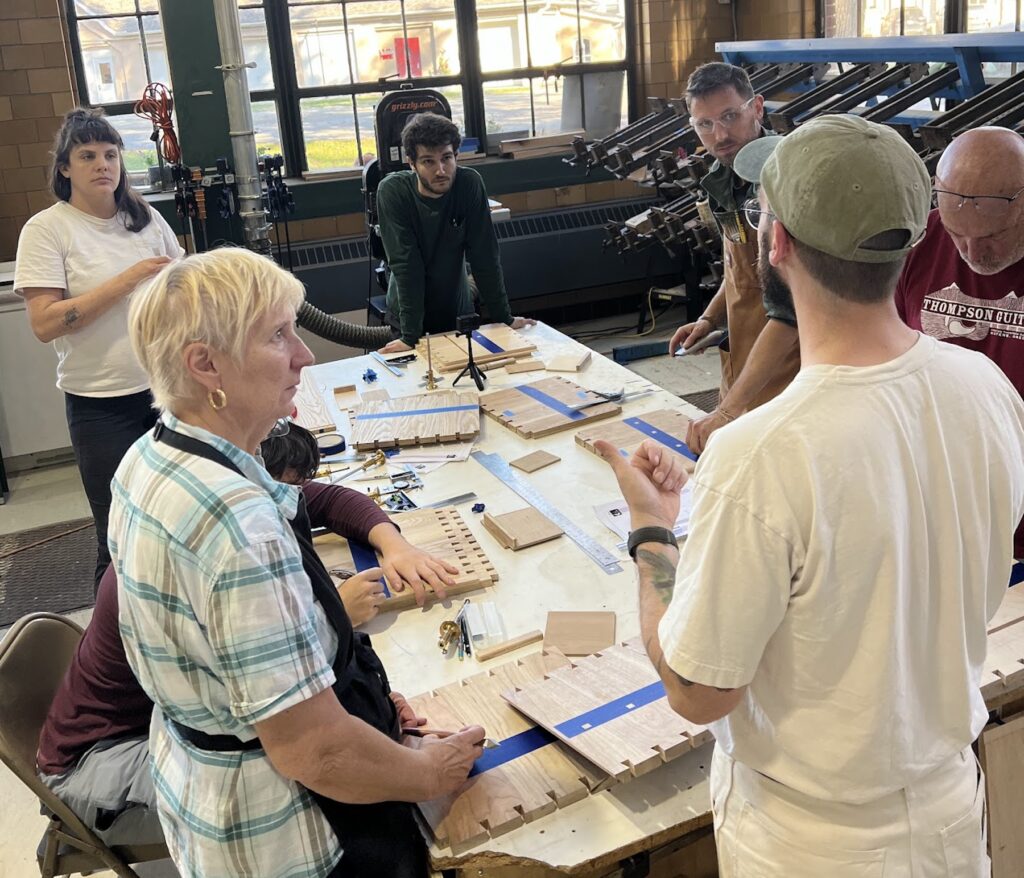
pixel 839 180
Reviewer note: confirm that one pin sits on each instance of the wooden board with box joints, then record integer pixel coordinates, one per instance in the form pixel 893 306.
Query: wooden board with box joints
pixel 424 419
pixel 665 426
pixel 441 532
pixel 545 406
pixel 496 341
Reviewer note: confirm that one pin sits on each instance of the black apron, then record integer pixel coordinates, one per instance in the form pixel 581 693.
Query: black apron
pixel 378 840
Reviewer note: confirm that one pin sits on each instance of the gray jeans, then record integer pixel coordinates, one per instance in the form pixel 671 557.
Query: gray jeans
pixel 111 790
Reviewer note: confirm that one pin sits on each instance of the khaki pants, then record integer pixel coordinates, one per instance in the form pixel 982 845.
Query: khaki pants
pixel 932 829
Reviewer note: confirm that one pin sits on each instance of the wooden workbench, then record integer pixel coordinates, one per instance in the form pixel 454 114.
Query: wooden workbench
pixel 664 809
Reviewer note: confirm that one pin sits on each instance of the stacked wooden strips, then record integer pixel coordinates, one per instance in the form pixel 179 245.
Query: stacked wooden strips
pixel 426 419
pixel 448 352
pixel 521 789
pixel 598 708
pixel 442 532
pixel 529 417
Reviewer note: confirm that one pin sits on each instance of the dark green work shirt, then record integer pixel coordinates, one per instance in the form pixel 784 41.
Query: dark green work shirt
pixel 427 241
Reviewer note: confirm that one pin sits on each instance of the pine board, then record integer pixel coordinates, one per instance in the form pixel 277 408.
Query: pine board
pixel 579 632
pixel 522 528
pixel 534 461
pixel 527 364
pixel 380 423
pixel 531 418
pixel 448 351
pixel 442 532
pixel 534 784
pixel 310 407
pixel 627 438
pixel 626 746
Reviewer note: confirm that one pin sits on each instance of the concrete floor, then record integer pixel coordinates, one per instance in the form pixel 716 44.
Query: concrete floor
pixel 55 494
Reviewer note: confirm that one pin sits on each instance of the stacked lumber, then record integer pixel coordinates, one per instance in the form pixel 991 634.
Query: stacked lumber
pixel 531 147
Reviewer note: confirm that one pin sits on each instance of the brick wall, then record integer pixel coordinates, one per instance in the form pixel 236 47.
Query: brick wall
pixel 675 36
pixel 35 92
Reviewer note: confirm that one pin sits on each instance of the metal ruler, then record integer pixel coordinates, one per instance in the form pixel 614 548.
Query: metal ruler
pixel 497 466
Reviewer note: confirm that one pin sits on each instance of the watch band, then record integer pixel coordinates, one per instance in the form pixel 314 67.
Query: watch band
pixel 649 535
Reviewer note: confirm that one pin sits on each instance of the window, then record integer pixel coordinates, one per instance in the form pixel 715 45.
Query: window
pixel 994 15
pixel 321 66
pixel 884 18
pixel 118 48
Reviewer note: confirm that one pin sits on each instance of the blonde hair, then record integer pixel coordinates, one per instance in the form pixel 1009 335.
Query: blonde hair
pixel 214 298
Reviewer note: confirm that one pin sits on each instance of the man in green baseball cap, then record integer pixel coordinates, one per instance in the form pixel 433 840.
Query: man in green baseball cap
pixel 827 613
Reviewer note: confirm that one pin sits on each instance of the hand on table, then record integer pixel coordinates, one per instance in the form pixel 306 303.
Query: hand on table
pixel 689 334
pixel 405 565
pixel 700 429
pixel 362 595
pixel 650 482
pixel 451 758
pixel 395 347
pixel 522 322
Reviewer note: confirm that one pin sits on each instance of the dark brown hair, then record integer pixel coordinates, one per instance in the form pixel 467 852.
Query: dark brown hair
pixel 295 450
pixel 863 282
pixel 429 130
pixel 85 125
pixel 716 75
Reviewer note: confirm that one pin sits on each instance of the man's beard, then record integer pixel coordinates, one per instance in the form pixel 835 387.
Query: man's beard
pixel 428 184
pixel 773 287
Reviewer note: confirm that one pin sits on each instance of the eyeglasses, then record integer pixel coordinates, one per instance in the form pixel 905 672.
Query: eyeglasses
pixel 988 205
pixel 726 120
pixel 753 211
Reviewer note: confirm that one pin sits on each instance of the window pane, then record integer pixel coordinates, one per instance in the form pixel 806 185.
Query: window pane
pixel 501 32
pixel 507 108
pixel 256 47
pixel 605 103
pixel 840 18
pixel 432 22
pixel 112 58
pixel 139 151
pixel 603 24
pixel 378 42
pixel 320 45
pixel 104 7
pixel 330 131
pixel 267 127
pixel 991 15
pixel 149 5
pixel 156 49
pixel 366 107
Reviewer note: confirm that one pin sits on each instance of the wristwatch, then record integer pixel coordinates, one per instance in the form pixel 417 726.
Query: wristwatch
pixel 649 535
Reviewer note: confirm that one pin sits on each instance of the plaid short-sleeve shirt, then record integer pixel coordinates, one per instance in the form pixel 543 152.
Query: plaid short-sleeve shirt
pixel 220 627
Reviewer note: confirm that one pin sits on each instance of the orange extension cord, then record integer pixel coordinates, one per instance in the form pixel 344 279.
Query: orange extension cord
pixel 156 106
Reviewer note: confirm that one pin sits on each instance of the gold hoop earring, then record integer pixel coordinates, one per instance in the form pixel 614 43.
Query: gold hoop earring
pixel 217 399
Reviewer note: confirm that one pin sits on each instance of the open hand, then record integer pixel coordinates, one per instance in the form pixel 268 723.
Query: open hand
pixel 521 322
pixel 405 565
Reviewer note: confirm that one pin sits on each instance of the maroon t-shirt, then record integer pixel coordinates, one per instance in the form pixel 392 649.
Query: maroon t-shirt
pixel 939 295
pixel 99 697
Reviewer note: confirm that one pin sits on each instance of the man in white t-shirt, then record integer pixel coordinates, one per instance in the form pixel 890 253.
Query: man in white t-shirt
pixel 849 542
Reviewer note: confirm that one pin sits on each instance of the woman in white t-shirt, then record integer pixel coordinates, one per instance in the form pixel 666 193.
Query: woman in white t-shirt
pixel 78 263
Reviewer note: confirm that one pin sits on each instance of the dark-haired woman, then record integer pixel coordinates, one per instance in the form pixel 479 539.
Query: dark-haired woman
pixel 78 263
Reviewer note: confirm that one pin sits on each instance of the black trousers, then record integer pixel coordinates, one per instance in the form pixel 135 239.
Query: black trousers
pixel 378 841
pixel 102 429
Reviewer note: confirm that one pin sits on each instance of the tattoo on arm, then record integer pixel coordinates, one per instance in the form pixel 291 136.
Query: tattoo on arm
pixel 71 315
pixel 663 573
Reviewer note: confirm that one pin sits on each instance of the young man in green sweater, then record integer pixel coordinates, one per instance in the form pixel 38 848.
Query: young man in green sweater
pixel 431 220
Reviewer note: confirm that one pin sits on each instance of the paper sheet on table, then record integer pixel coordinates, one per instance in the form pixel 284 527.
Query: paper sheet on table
pixel 615 515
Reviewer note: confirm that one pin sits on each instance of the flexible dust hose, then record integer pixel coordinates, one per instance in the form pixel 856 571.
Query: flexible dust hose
pixel 341 332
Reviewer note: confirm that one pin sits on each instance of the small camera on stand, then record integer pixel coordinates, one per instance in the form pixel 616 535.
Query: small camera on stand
pixel 464 325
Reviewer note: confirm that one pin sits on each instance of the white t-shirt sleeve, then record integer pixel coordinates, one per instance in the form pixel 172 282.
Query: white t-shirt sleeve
pixel 727 603
pixel 40 259
pixel 171 246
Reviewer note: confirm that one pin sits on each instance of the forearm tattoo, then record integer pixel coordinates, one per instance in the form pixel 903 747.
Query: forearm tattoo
pixel 71 315
pixel 662 573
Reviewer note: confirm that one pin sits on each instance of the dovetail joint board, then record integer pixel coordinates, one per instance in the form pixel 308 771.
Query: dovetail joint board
pixel 543 776
pixel 607 708
pixel 442 532
pixel 1004 659
pixel 669 429
pixel 492 342
pixel 544 407
pixel 425 419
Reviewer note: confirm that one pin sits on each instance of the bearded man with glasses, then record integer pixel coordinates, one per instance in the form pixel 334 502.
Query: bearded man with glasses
pixel 964 283
pixel 762 352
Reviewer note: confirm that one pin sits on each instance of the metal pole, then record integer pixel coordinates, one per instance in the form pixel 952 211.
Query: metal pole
pixel 240 129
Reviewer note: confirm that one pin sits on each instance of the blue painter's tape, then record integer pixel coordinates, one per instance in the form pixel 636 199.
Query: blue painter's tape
pixel 513 748
pixel 551 402
pixel 451 408
pixel 1017 573
pixel 508 413
pixel 664 438
pixel 364 558
pixel 485 342
pixel 612 710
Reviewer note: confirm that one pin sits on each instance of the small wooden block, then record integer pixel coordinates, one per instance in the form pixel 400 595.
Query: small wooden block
pixel 581 632
pixel 486 653
pixel 343 396
pixel 374 395
pixel 522 528
pixel 534 461
pixel 568 362
pixel 528 365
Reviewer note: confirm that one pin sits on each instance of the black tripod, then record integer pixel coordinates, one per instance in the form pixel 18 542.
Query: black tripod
pixel 472 369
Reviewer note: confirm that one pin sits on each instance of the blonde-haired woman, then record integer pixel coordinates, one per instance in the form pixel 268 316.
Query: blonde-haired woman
pixel 276 748
pixel 78 263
